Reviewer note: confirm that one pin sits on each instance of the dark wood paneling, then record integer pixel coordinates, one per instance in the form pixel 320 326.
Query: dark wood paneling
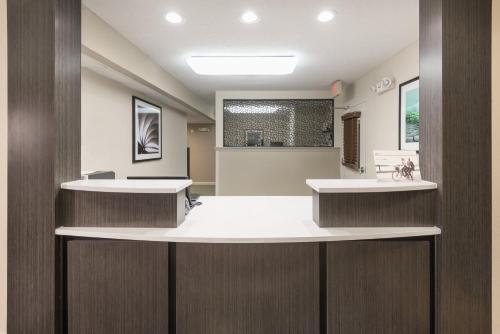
pixel 379 287
pixel 455 53
pixel 96 209
pixel 67 109
pixel 409 208
pixel 117 287
pixel 431 93
pixel 67 91
pixel 247 288
pixel 44 132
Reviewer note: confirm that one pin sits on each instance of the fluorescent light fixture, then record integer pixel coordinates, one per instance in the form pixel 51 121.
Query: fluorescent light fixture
pixel 326 16
pixel 174 18
pixel 252 109
pixel 249 17
pixel 242 65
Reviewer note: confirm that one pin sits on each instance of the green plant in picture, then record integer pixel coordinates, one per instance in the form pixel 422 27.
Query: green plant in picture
pixel 412 116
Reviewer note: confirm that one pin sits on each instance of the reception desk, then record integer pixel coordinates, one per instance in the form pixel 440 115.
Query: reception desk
pixel 369 202
pixel 124 203
pixel 249 265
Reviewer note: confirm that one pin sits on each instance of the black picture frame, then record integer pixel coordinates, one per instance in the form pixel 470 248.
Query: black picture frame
pixel 136 156
pixel 253 131
pixel 401 86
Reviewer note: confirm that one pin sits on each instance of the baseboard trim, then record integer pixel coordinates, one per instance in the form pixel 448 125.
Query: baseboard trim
pixel 203 183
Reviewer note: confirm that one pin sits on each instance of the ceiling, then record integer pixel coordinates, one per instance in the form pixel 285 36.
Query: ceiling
pixel 363 35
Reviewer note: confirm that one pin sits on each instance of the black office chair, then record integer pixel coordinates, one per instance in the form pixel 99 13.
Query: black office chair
pixel 191 198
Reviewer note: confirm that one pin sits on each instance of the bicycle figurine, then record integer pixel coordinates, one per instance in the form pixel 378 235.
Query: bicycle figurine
pixel 404 171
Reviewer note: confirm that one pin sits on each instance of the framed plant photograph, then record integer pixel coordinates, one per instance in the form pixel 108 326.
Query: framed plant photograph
pixel 147 132
pixel 409 115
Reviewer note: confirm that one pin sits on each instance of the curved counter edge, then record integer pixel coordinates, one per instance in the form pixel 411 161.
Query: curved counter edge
pixel 174 235
pixel 339 186
pixel 128 186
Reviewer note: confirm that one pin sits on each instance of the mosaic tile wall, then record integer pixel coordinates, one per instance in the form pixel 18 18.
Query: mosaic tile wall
pixel 289 123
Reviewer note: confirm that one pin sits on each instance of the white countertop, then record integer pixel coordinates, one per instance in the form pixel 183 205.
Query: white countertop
pixel 129 186
pixel 249 220
pixel 333 186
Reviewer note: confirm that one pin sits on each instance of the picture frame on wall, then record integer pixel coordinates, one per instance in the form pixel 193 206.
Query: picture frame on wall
pixel 146 131
pixel 409 115
pixel 254 138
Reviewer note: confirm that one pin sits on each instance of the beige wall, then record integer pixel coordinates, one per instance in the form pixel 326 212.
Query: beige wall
pixel 273 171
pixel 107 131
pixel 496 165
pixel 202 147
pixel 3 166
pixel 380 113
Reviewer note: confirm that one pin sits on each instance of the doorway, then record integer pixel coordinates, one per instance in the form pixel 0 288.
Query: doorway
pixel 201 158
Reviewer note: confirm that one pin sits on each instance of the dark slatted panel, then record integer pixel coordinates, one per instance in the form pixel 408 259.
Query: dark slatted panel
pixel 94 209
pixel 117 287
pixel 351 139
pixel 379 287
pixel 44 149
pixel 410 208
pixel 455 149
pixel 248 288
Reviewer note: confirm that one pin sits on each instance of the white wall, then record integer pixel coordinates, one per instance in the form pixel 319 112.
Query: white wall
pixel 3 166
pixel 107 131
pixel 496 165
pixel 380 113
pixel 100 40
pixel 270 171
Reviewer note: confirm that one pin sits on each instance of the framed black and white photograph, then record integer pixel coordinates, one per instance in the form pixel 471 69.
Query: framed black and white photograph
pixel 147 135
pixel 254 137
pixel 397 165
pixel 409 115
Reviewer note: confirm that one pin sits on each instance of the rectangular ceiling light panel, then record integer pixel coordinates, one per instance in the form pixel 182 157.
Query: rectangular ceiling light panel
pixel 280 65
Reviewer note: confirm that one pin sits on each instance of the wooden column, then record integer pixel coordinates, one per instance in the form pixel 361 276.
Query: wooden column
pixel 44 150
pixel 455 103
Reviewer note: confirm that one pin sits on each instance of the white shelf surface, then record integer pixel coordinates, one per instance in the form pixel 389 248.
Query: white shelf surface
pixel 338 186
pixel 129 186
pixel 249 220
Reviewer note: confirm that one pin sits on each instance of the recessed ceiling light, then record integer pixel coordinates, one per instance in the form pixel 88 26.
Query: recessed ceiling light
pixel 243 65
pixel 249 17
pixel 174 18
pixel 326 16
